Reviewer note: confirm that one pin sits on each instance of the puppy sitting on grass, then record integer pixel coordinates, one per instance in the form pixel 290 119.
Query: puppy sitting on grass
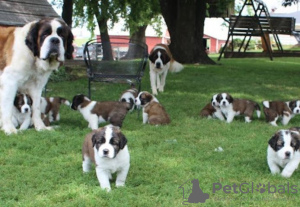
pixel 153 112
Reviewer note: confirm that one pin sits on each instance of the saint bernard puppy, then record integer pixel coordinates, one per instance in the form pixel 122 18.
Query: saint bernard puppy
pixel 21 115
pixel 153 112
pixel 231 107
pixel 98 112
pixel 212 109
pixel 129 96
pixel 283 151
pixel 161 61
pixel 28 55
pixel 107 148
pixel 276 109
pixel 50 107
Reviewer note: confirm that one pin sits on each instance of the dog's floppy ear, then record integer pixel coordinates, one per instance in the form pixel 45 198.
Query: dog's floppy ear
pixel 152 56
pixel 94 140
pixel 295 140
pixel 122 138
pixel 16 100
pixel 292 104
pixel 29 100
pixel 165 57
pixel 229 98
pixel 32 38
pixel 94 137
pixel 219 97
pixel 77 100
pixel 148 97
pixel 273 141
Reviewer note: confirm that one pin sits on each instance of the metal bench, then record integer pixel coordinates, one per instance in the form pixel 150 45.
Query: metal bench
pixel 114 61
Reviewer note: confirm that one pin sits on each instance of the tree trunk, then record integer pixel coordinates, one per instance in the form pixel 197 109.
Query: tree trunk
pixel 67 12
pixel 102 24
pixel 185 21
pixel 139 39
pixel 139 35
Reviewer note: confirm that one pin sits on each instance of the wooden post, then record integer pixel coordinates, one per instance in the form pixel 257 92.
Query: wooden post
pixel 264 45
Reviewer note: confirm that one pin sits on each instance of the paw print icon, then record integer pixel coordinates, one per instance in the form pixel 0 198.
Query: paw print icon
pixel 260 188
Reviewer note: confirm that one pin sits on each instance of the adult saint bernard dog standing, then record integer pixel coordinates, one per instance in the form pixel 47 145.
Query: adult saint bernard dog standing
pixel 161 61
pixel 28 55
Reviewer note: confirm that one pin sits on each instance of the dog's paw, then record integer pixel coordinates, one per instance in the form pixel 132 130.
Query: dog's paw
pixel 286 174
pixel 43 128
pixel 107 189
pixel 161 89
pixel 9 130
pixel 275 171
pixel 120 185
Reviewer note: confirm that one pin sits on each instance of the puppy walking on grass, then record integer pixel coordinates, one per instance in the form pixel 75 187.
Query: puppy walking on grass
pixel 107 148
pixel 232 107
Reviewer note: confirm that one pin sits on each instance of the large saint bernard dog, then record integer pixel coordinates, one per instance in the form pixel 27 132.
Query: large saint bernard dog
pixel 28 55
pixel 161 61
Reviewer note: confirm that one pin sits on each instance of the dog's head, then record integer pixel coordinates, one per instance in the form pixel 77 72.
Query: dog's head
pixel 159 57
pixel 78 100
pixel 129 97
pixel 23 103
pixel 224 99
pixel 285 143
pixel 108 141
pixel 143 98
pixel 50 39
pixel 214 101
pixel 294 106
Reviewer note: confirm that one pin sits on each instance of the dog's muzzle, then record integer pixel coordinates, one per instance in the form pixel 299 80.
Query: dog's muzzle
pixel 287 155
pixel 53 52
pixel 158 65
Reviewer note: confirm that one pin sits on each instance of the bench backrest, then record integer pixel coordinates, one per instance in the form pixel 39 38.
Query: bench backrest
pixel 119 58
pixel 280 25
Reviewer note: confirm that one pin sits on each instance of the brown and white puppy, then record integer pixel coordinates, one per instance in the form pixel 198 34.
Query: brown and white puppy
pixel 283 151
pixel 107 148
pixel 212 109
pixel 22 111
pixel 231 107
pixel 161 61
pixel 97 112
pixel 274 110
pixel 153 112
pixel 50 107
pixel 28 55
pixel 129 96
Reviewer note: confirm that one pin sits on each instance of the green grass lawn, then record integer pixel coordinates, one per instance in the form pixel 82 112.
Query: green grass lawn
pixel 44 168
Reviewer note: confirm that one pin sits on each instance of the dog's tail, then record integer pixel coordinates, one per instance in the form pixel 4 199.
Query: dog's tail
pixel 266 104
pixel 64 101
pixel 175 67
pixel 257 108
